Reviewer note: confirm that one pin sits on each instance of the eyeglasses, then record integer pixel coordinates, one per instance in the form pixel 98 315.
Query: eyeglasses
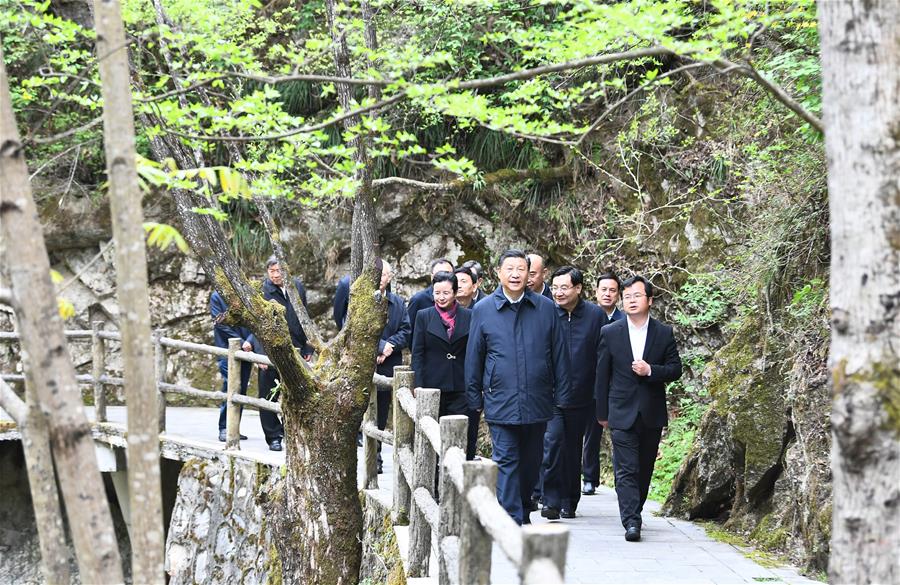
pixel 563 289
pixel 634 296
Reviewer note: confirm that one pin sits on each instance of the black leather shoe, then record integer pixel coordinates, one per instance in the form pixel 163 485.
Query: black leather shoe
pixel 550 513
pixel 566 513
pixel 633 533
pixel 533 504
pixel 588 489
pixel 275 445
pixel 243 437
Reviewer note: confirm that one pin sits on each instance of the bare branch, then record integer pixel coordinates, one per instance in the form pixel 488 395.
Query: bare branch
pixel 774 89
pixel 267 79
pixel 64 135
pixel 12 404
pixel 501 176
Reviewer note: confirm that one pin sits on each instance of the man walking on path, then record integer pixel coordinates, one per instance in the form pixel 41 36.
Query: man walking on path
pixel 536 274
pixel 274 290
pixel 636 359
pixel 515 366
pixel 580 323
pixel 221 334
pixel 607 296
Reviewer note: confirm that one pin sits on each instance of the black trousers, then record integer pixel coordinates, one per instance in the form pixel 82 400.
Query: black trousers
pixel 562 462
pixel 634 455
pixel 271 424
pixel 517 451
pixel 246 370
pixel 590 455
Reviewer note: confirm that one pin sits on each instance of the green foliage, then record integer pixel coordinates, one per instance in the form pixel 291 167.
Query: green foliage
pixel 808 299
pixel 678 440
pixel 162 236
pixel 704 300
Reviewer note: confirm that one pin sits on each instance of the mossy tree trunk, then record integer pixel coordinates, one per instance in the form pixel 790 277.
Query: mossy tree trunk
pixel 861 102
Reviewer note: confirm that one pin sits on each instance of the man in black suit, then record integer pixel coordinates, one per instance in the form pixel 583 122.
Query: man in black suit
pixel 274 289
pixel 637 357
pixel 537 274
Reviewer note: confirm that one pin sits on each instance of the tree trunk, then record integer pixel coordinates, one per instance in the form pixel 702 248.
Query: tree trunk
pixel 145 491
pixel 861 102
pixel 47 360
pixel 319 519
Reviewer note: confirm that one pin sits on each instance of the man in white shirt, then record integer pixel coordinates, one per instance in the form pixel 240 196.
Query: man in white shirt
pixel 637 357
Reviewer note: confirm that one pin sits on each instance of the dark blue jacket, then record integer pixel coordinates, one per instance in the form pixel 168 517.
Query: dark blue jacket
pixel 439 361
pixel 419 301
pixel 396 332
pixel 581 329
pixel 341 301
pixel 298 336
pixel 517 359
pixel 617 314
pixel 546 292
pixel 621 394
pixel 221 332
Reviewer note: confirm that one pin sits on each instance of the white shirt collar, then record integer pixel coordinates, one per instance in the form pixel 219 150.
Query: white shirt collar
pixel 634 327
pixel 512 300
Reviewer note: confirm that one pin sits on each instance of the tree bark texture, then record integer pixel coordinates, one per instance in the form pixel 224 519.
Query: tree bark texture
pixel 861 101
pixel 319 519
pixel 363 227
pixel 47 360
pixel 145 492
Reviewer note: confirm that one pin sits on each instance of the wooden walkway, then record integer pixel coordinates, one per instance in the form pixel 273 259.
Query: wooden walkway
pixel 672 551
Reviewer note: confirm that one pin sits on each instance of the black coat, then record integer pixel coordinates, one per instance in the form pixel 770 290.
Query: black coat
pixel 396 332
pixel 419 301
pixel 621 394
pixel 581 329
pixel 341 302
pixel 298 336
pixel 439 361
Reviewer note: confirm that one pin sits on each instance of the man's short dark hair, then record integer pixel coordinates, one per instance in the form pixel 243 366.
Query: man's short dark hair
pixel 437 261
pixel 609 276
pixel 648 286
pixel 444 276
pixel 476 268
pixel 575 274
pixel 466 271
pixel 513 254
pixel 272 261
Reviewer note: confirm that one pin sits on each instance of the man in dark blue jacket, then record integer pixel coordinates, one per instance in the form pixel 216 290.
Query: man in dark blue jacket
pixel 516 365
pixel 341 302
pixel 580 323
pixel 424 298
pixel 221 334
pixel 394 338
pixel 274 290
pixel 607 295
pixel 536 276
pixel 636 359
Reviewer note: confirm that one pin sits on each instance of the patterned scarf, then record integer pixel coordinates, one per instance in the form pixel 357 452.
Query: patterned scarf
pixel 448 317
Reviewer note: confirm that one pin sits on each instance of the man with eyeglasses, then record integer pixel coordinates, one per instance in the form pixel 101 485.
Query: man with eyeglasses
pixel 637 357
pixel 607 295
pixel 580 323
pixel 516 366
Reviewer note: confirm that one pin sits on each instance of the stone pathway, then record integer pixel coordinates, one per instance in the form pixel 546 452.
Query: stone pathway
pixel 671 551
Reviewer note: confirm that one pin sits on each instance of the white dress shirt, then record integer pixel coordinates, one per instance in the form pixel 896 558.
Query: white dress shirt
pixel 638 338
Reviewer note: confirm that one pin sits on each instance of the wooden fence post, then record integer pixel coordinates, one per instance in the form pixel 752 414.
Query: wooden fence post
pixel 428 404
pixel 98 365
pixel 232 410
pixel 453 434
pixel 404 429
pixel 543 553
pixel 474 541
pixel 160 377
pixel 370 445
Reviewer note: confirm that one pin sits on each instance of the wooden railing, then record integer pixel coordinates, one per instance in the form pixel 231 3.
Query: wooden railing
pixel 466 519
pixel 99 380
pixel 461 521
